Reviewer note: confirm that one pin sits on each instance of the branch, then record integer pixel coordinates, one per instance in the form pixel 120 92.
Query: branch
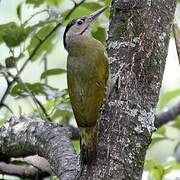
pixel 22 172
pixel 36 49
pixel 36 161
pixel 24 137
pixel 177 38
pixel 37 103
pixel 167 116
pixel 7 107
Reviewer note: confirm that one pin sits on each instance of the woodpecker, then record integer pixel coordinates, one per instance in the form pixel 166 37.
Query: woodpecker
pixel 87 78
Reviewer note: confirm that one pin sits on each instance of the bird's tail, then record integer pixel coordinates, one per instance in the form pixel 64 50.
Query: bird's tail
pixel 88 143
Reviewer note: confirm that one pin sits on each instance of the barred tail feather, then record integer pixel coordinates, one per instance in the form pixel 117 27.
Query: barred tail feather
pixel 88 143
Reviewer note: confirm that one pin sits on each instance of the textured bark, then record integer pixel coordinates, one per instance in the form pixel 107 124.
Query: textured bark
pixel 137 48
pixel 26 137
pixel 30 173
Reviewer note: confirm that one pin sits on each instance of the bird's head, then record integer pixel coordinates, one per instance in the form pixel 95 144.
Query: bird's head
pixel 80 26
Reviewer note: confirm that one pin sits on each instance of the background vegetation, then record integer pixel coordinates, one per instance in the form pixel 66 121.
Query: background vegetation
pixel 33 72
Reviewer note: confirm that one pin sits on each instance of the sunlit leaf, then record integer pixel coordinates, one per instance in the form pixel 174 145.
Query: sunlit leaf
pixel 156 170
pixel 80 11
pixel 107 2
pixel 168 96
pixel 76 144
pixel 149 164
pixel 18 11
pixel 161 131
pixel 10 62
pixel 100 34
pixel 51 72
pixel 12 34
pixel 36 88
pixel 3 121
pixel 92 6
pixel 45 46
pixel 37 3
pixel 176 123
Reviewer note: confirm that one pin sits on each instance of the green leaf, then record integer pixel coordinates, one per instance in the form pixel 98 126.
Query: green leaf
pixel 10 62
pixel 45 46
pixel 92 6
pixel 18 11
pixel 12 34
pixel 3 121
pixel 161 131
pixel 156 170
pixel 107 2
pixel 36 88
pixel 37 3
pixel 80 11
pixel 53 2
pixel 100 34
pixel 168 96
pixel 176 123
pixel 76 144
pixel 149 164
pixel 51 72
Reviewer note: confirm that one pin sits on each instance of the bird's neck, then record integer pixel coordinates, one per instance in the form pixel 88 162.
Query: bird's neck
pixel 81 45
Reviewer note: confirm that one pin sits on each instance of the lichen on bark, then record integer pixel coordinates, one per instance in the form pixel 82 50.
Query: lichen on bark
pixel 137 47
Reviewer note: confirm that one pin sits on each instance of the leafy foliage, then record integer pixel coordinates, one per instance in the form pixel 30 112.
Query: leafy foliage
pixel 36 88
pixel 51 72
pixel 12 34
pixel 37 3
pixel 31 40
pixel 159 171
pixel 168 96
pixel 47 46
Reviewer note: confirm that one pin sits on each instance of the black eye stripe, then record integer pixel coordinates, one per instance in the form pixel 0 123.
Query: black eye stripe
pixel 66 30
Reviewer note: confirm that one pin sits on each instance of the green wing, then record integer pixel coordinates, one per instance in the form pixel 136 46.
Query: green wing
pixel 87 76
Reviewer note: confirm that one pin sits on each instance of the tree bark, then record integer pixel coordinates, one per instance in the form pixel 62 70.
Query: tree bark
pixel 137 47
pixel 24 137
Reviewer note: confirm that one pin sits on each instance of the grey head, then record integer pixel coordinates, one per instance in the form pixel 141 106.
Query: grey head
pixel 80 26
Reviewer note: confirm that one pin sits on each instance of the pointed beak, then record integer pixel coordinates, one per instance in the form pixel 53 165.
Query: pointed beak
pixel 94 15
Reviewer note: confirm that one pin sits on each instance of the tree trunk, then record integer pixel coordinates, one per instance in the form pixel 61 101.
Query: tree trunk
pixel 137 47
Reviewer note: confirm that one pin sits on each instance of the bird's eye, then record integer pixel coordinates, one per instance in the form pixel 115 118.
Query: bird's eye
pixel 79 22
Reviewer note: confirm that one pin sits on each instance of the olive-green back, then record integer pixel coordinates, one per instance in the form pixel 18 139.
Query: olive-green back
pixel 87 75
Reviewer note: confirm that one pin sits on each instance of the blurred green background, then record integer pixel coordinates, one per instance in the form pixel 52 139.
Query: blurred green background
pixel 23 24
